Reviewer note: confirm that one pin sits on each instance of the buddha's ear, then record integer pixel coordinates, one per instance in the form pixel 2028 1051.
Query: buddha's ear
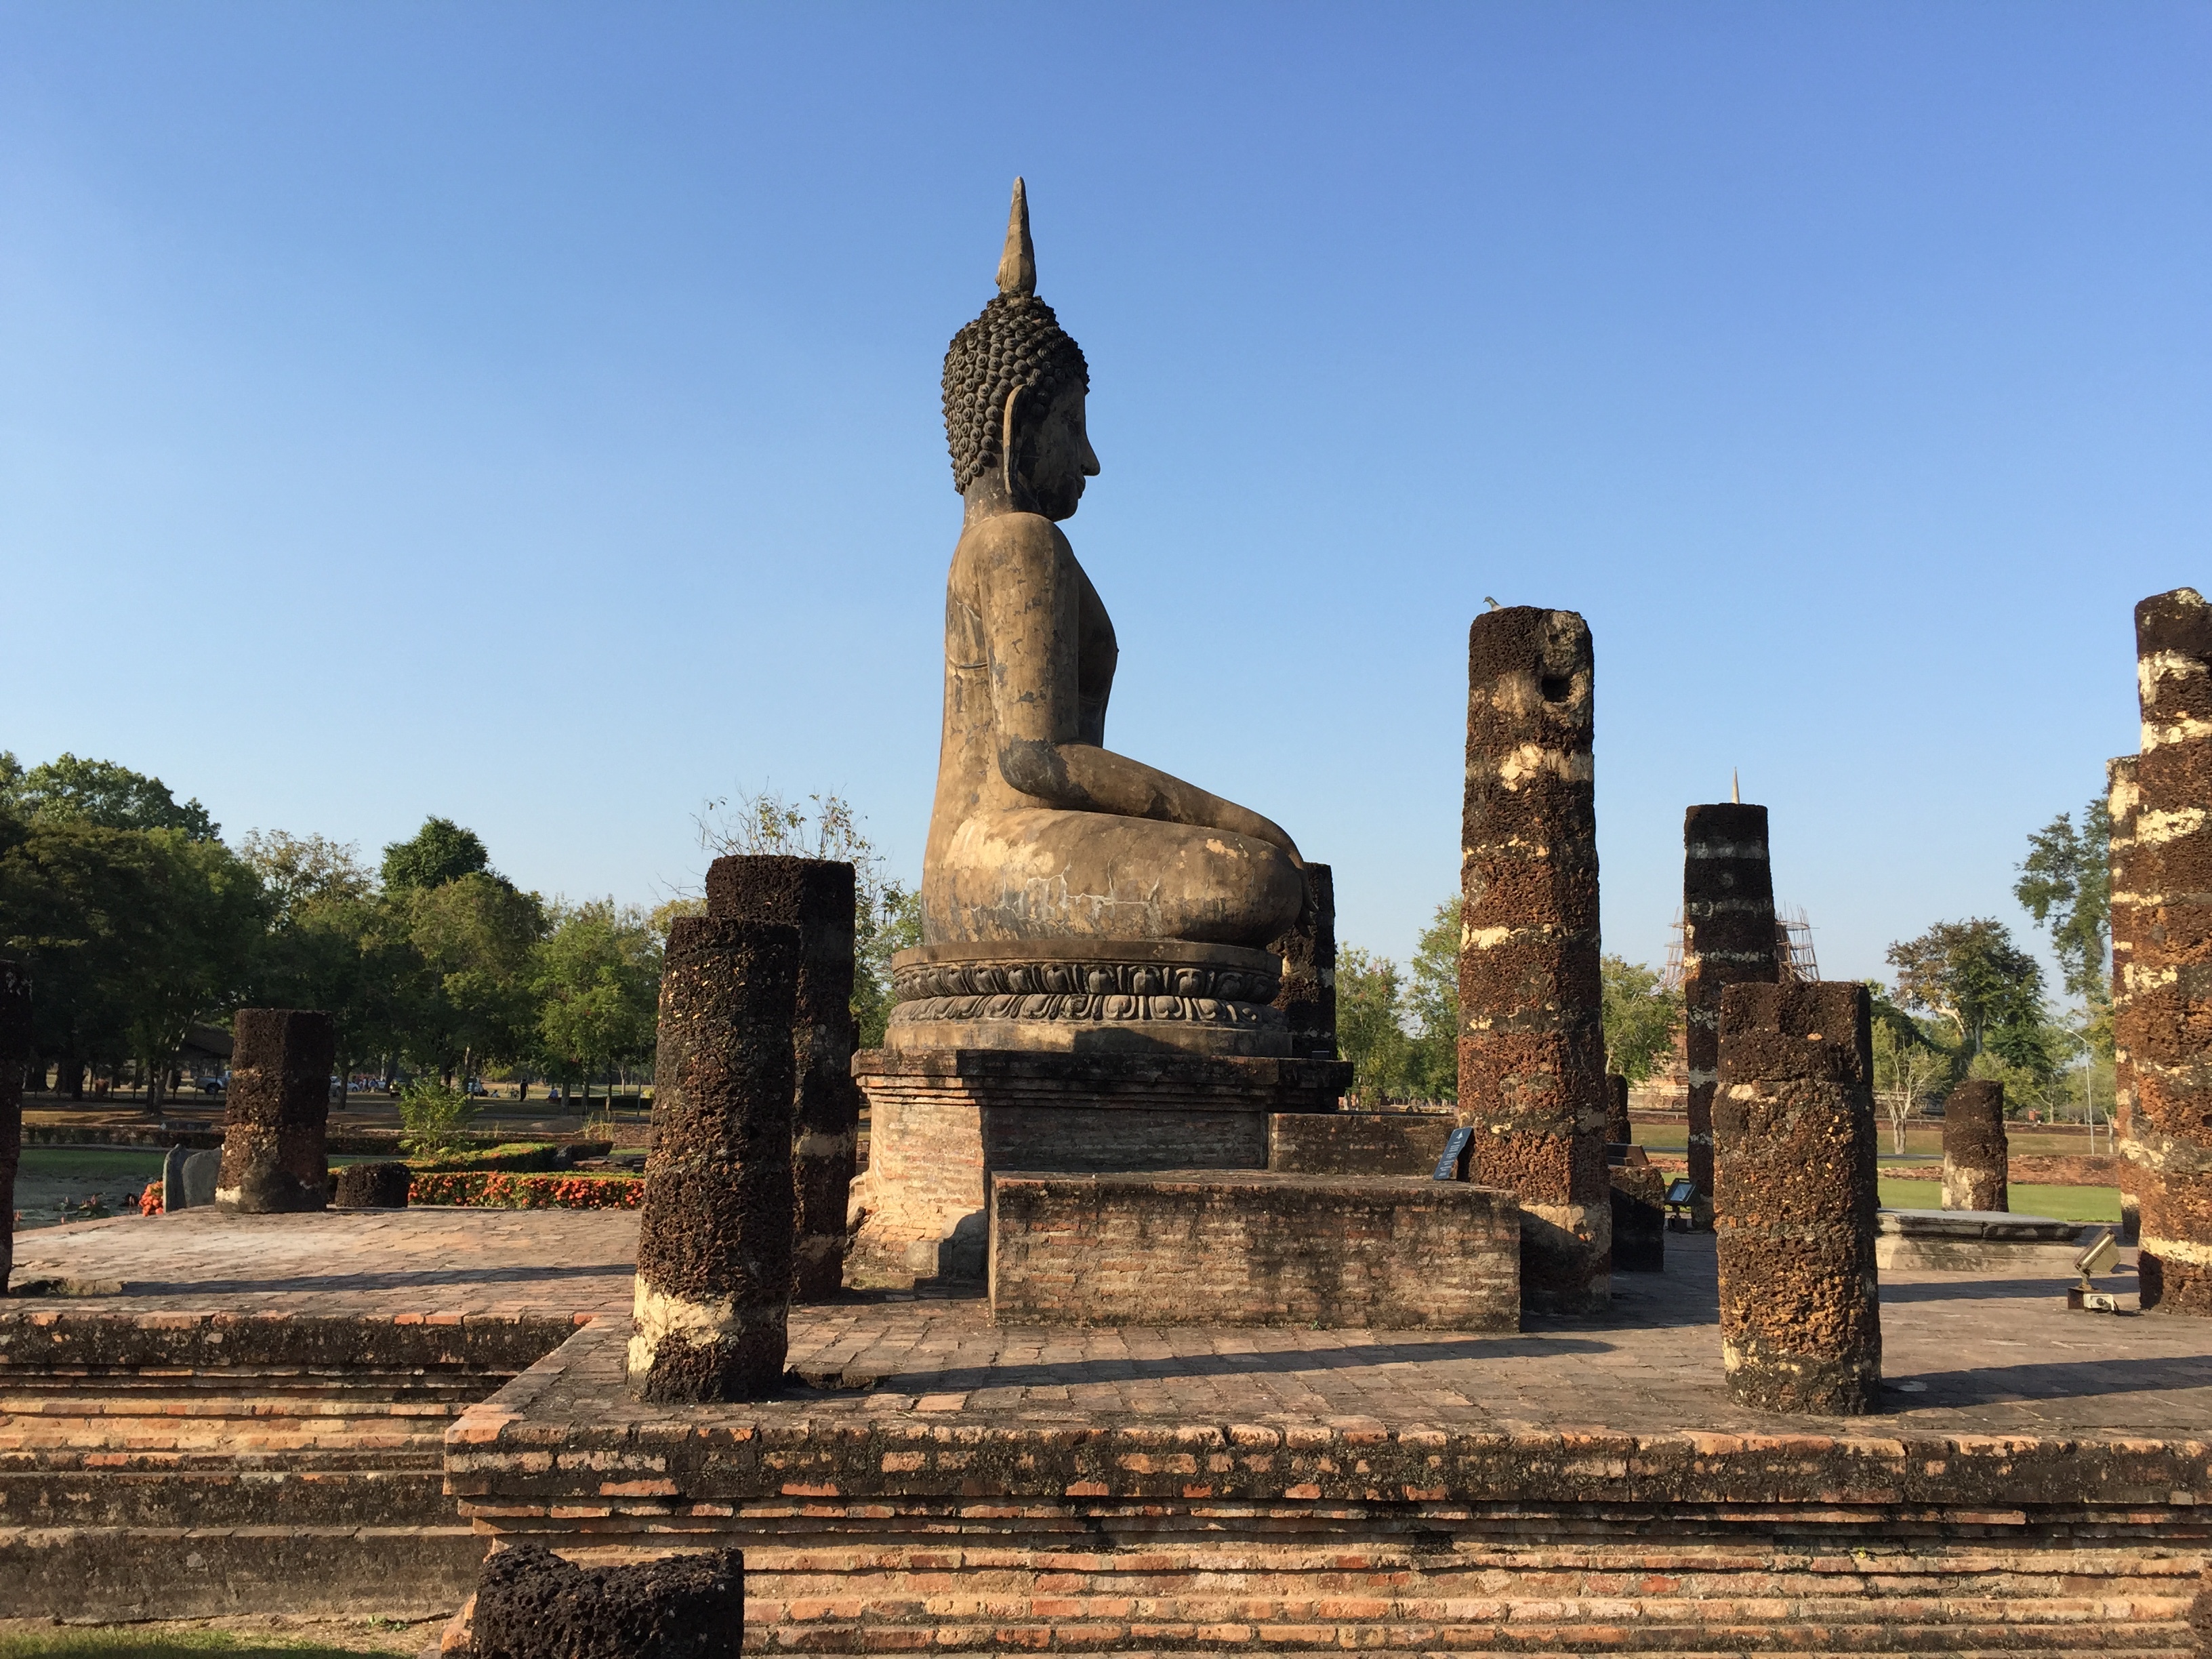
pixel 1006 447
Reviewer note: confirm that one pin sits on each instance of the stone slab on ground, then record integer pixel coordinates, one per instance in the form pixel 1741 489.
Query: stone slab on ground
pixel 1977 1241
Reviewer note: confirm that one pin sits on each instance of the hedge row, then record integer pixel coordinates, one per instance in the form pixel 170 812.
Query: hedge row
pixel 500 1190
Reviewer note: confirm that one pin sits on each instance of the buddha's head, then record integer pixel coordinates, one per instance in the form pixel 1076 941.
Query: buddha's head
pixel 1014 386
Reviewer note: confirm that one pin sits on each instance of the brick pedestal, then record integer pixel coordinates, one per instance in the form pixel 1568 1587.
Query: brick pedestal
pixel 2162 1007
pixel 940 1121
pixel 713 1248
pixel 279 1107
pixel 1975 1155
pixel 815 896
pixel 1793 1126
pixel 1531 1049
pixel 1308 998
pixel 1727 939
pixel 1241 1248
pixel 15 1047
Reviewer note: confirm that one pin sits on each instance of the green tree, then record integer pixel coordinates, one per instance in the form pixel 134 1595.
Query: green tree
pixel 133 936
pixel 1370 1030
pixel 331 944
pixel 472 1000
pixel 1985 988
pixel 1640 1017
pixel 102 792
pixel 598 981
pixel 2066 884
pixel 1911 1063
pixel 1429 1009
pixel 439 852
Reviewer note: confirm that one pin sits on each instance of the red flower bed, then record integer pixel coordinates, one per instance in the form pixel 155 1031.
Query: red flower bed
pixel 499 1189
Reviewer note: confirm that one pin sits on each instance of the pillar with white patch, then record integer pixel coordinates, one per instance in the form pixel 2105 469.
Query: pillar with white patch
pixel 2162 1007
pixel 714 1241
pixel 1532 1046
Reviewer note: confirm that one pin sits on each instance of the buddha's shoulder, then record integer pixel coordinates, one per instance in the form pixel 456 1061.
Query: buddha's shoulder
pixel 1012 538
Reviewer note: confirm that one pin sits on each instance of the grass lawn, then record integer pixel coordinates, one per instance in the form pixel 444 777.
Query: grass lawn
pixel 2065 1203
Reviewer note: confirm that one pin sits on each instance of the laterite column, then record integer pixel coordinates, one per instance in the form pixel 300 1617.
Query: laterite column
pixel 1619 1130
pixel 1727 939
pixel 2165 1020
pixel 1308 998
pixel 1532 1046
pixel 714 1243
pixel 278 1106
pixel 1793 1125
pixel 2121 799
pixel 14 1044
pixel 815 896
pixel 1976 1157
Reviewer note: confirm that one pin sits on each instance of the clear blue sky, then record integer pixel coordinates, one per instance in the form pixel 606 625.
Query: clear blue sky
pixel 528 413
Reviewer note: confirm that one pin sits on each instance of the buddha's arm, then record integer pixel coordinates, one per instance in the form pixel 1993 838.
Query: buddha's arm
pixel 1032 618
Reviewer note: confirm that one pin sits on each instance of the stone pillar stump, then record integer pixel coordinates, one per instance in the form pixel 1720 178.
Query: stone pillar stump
pixel 1619 1130
pixel 1532 1046
pixel 1794 1131
pixel 1727 939
pixel 815 896
pixel 1976 1154
pixel 714 1241
pixel 279 1107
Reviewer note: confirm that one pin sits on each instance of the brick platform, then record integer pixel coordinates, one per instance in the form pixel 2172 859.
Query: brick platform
pixel 2037 1481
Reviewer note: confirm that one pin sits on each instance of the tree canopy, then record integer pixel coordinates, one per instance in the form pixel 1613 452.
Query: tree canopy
pixel 1983 987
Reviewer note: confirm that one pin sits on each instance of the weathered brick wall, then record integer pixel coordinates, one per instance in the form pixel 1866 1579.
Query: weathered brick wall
pixel 1357 1143
pixel 940 1122
pixel 1253 1249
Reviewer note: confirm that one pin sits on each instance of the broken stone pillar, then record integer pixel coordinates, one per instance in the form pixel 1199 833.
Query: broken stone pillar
pixel 279 1106
pixel 2164 1018
pixel 1619 1130
pixel 371 1187
pixel 815 896
pixel 14 1043
pixel 1976 1157
pixel 1793 1126
pixel 2121 797
pixel 1727 939
pixel 1532 1048
pixel 714 1241
pixel 1308 998
pixel 533 1604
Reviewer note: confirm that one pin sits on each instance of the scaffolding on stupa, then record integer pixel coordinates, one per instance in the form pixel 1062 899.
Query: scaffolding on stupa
pixel 1793 948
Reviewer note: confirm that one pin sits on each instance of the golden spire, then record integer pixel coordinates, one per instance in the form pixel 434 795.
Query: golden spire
pixel 1017 265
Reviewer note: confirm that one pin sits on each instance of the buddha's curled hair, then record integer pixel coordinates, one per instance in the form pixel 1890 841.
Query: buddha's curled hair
pixel 1017 342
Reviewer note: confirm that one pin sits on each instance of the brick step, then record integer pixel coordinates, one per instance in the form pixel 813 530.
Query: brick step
pixel 104 1574
pixel 2160 1639
pixel 283 1496
pixel 41 1440
pixel 162 1408
pixel 365 1385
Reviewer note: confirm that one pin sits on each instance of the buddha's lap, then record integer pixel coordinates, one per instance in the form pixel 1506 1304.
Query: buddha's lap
pixel 1042 873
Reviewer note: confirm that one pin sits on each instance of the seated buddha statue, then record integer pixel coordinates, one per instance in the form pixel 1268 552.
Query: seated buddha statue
pixel 1040 832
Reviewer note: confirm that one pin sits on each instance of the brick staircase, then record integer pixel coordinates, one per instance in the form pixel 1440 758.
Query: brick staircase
pixel 196 1467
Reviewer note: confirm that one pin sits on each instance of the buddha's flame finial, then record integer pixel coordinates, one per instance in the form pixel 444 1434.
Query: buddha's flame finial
pixel 1017 265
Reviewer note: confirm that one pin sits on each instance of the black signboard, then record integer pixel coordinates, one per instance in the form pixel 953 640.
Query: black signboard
pixel 1447 1165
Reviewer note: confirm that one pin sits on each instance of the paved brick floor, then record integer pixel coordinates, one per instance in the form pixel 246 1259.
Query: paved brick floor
pixel 1962 1354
